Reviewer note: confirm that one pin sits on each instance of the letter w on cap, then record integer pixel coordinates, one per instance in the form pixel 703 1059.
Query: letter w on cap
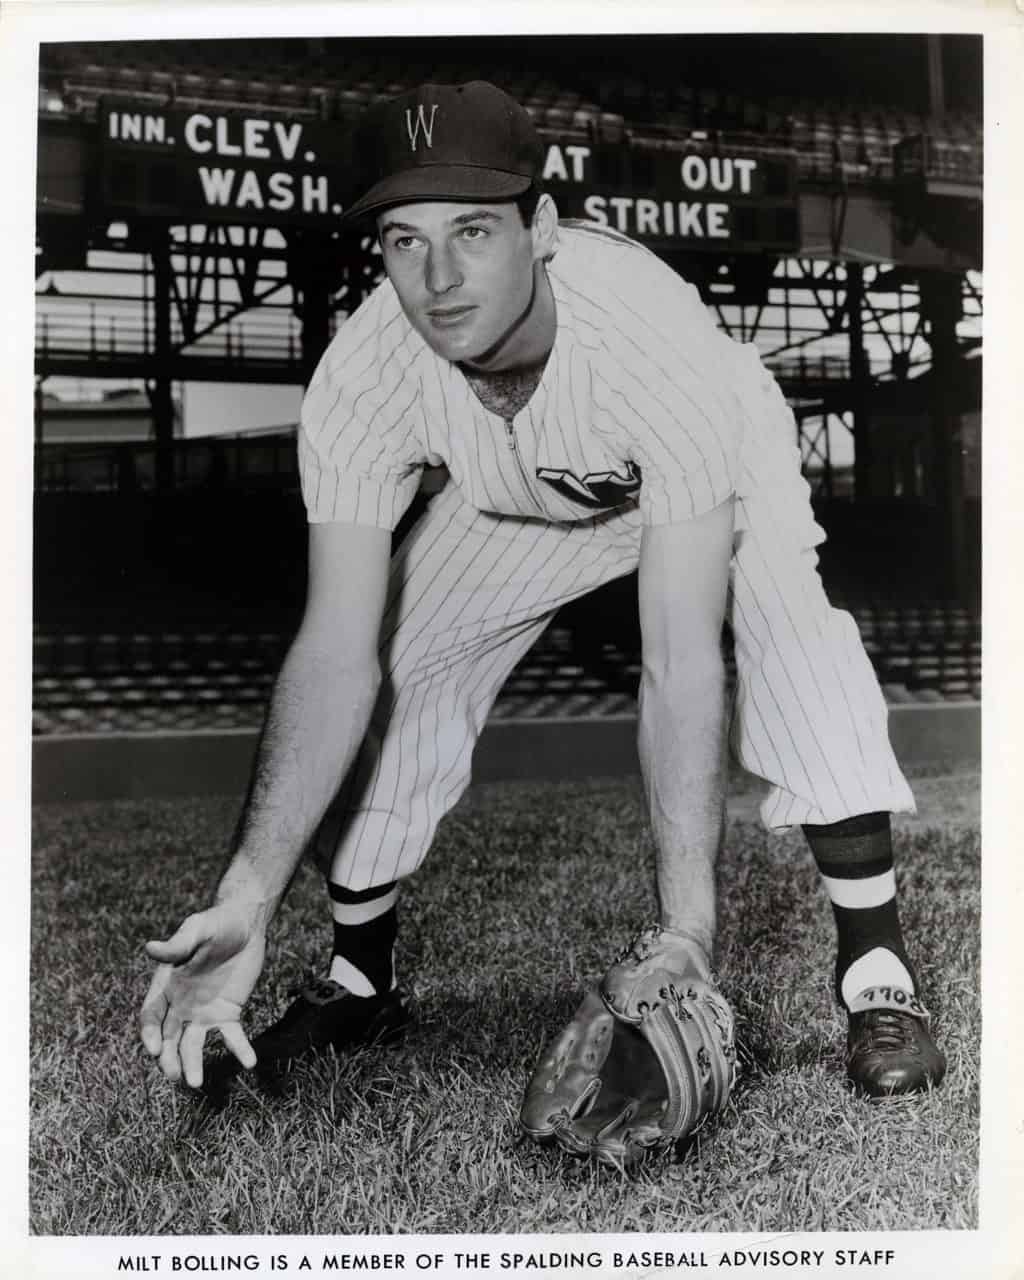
pixel 413 130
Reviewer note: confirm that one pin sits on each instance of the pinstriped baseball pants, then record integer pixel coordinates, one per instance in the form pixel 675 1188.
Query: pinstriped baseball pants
pixel 469 594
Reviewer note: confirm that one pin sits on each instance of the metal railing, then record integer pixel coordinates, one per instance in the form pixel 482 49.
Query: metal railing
pixel 72 329
pixel 943 159
pixel 265 461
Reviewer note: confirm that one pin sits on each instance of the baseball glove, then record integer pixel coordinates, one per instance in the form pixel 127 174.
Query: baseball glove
pixel 648 1057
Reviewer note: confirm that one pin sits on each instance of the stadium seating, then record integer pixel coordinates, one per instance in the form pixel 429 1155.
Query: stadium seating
pixel 833 141
pixel 219 674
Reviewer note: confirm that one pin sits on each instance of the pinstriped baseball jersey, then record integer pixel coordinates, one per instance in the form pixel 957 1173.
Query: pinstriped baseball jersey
pixel 625 413
pixel 644 414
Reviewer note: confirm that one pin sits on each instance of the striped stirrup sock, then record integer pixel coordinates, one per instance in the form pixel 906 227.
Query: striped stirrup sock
pixel 365 928
pixel 855 860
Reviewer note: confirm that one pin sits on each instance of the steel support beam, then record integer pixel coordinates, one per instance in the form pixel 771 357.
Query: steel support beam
pixel 860 382
pixel 941 305
pixel 159 383
pixel 311 281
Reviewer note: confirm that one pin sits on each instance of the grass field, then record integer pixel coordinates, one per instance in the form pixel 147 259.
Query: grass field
pixel 529 890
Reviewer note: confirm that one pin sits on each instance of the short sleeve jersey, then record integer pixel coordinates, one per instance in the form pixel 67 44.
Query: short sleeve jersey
pixel 636 406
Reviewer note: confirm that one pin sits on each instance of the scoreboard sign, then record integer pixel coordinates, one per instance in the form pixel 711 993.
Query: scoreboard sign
pixel 226 166
pixel 698 198
pixel 250 168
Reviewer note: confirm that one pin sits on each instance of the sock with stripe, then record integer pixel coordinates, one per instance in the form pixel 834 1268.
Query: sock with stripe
pixel 855 860
pixel 365 928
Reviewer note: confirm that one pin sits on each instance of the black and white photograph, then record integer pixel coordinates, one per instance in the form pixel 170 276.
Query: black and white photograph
pixel 505 611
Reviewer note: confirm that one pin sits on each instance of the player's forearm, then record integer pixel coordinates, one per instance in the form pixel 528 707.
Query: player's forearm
pixel 316 721
pixel 682 742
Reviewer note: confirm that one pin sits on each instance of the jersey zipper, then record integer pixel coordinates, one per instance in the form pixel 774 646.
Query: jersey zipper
pixel 510 436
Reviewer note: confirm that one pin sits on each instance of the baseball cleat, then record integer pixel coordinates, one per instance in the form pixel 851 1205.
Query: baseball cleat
pixel 324 1015
pixel 890 1051
pixel 327 1015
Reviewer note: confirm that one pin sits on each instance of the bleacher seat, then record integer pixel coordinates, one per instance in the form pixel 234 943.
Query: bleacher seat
pixel 854 139
pixel 220 674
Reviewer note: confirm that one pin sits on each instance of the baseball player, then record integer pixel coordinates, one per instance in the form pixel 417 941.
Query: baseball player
pixel 593 421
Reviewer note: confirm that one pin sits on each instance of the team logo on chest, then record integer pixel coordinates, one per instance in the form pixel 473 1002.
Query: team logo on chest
pixel 597 489
pixel 414 127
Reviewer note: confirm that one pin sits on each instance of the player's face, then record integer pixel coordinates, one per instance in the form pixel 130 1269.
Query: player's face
pixel 463 272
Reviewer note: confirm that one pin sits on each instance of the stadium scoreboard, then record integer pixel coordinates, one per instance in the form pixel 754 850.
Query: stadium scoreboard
pixel 253 168
pixel 224 166
pixel 694 196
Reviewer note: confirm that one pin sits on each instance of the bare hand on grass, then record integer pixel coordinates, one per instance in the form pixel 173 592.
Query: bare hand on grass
pixel 207 972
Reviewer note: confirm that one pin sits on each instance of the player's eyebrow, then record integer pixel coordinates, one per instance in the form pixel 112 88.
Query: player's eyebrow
pixel 474 215
pixel 477 215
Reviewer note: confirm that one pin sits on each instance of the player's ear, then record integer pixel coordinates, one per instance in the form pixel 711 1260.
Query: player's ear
pixel 544 228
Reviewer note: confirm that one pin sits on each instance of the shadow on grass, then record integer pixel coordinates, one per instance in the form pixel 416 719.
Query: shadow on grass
pixel 496 1033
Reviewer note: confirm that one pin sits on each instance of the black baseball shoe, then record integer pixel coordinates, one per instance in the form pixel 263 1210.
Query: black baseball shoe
pixel 324 1015
pixel 327 1015
pixel 890 1051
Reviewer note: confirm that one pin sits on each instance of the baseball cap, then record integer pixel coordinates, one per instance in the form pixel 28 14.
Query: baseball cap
pixel 444 142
